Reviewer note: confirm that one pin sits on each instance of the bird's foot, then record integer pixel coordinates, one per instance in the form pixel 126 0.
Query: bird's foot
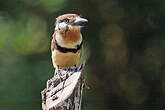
pixel 75 68
pixel 69 69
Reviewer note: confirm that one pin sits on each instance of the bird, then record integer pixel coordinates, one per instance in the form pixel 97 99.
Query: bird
pixel 67 41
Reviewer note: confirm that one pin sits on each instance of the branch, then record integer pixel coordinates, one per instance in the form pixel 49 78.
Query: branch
pixel 64 90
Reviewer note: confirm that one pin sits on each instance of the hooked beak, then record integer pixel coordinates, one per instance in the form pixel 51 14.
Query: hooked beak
pixel 79 22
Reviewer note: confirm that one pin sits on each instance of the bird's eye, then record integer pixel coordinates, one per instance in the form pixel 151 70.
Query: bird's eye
pixel 66 20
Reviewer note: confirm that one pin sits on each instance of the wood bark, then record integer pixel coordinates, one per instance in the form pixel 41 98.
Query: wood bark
pixel 64 90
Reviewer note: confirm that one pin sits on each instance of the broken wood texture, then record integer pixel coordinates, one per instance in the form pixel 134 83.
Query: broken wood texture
pixel 64 90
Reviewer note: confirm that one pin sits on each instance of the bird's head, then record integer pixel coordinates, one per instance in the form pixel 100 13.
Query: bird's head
pixel 69 22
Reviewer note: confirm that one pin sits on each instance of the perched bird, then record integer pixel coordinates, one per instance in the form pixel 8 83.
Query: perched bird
pixel 67 41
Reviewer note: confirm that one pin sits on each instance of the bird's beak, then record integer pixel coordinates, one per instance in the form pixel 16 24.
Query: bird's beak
pixel 79 22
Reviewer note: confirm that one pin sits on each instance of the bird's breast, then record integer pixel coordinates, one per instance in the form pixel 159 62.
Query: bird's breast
pixel 64 60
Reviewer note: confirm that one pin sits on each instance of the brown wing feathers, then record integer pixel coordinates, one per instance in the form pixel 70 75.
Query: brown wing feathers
pixel 53 43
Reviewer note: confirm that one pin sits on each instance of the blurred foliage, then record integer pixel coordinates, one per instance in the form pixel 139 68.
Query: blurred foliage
pixel 124 45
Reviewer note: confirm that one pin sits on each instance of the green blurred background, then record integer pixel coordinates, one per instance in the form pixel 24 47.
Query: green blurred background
pixel 124 44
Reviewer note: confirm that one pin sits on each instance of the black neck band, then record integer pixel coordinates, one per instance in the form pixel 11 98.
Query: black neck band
pixel 65 50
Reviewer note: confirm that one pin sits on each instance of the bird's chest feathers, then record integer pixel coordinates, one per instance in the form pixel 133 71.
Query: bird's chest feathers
pixel 69 39
pixel 65 59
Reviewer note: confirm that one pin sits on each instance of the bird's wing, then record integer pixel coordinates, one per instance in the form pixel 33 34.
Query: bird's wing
pixel 81 50
pixel 53 43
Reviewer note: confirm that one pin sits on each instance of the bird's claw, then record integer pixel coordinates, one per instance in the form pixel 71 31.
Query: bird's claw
pixel 69 69
pixel 75 68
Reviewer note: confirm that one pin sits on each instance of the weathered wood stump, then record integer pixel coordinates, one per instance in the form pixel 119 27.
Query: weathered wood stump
pixel 64 90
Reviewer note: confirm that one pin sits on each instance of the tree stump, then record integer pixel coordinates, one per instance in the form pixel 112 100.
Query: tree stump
pixel 64 90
